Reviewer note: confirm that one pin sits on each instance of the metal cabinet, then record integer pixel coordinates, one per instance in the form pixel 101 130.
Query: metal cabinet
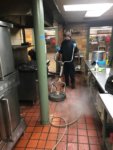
pixel 99 107
pixel 107 128
pixel 78 60
pixel 102 105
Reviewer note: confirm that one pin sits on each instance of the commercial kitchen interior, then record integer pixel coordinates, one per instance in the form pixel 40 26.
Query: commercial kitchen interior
pixel 29 120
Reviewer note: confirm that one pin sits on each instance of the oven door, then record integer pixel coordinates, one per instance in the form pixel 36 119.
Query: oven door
pixel 3 136
pixel 10 115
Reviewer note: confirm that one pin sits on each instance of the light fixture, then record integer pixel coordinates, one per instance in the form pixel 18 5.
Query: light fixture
pixel 93 10
pixel 94 13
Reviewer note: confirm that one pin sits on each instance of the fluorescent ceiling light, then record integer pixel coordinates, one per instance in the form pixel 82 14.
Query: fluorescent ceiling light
pixel 96 13
pixel 93 10
pixel 86 7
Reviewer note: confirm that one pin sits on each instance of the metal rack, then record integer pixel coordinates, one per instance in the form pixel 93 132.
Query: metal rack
pixel 78 62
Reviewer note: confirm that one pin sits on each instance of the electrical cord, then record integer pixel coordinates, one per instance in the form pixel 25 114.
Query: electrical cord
pixel 62 126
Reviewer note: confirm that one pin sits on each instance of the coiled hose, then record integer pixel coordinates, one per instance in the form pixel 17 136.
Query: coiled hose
pixel 62 126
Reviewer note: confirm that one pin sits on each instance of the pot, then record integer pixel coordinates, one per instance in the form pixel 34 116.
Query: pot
pixel 97 56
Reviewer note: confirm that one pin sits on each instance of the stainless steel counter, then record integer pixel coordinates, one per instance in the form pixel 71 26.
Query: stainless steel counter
pixel 107 100
pixel 100 77
pixel 104 104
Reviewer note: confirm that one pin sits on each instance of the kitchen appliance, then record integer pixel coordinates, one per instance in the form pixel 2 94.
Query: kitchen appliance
pixel 11 124
pixel 98 55
pixel 6 54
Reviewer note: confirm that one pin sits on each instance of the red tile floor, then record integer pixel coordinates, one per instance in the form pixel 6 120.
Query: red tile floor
pixel 84 134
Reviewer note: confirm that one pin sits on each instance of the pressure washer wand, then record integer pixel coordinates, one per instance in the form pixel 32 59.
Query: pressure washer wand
pixel 61 69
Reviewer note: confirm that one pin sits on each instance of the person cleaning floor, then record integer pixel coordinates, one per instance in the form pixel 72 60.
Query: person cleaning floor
pixel 66 52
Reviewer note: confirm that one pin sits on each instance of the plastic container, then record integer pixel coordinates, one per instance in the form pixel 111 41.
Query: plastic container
pixel 97 55
pixel 101 63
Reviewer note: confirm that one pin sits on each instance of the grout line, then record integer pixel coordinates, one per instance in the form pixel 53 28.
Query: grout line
pixel 87 132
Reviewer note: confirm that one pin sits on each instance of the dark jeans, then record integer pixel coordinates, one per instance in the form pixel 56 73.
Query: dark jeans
pixel 69 73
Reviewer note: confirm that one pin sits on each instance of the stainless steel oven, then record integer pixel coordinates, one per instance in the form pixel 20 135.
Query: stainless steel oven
pixel 11 124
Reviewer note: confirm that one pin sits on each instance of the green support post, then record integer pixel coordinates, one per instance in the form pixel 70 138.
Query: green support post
pixel 40 47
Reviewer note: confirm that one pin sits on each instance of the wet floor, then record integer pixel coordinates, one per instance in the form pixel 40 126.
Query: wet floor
pixel 83 134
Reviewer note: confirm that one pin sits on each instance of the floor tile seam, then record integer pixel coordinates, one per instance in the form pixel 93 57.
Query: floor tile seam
pixel 87 133
pixel 44 145
pixel 96 144
pixel 48 135
pixel 30 131
pixel 77 140
pixel 67 138
pixel 36 144
pixel 27 144
pixel 31 135
pixel 60 140
pixel 97 130
pixel 47 138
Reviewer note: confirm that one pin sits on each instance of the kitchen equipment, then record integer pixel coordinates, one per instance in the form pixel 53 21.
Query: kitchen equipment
pixel 101 63
pixel 97 55
pixel 12 125
pixel 57 93
pixel 6 54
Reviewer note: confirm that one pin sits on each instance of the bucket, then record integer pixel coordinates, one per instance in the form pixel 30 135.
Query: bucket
pixel 97 56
